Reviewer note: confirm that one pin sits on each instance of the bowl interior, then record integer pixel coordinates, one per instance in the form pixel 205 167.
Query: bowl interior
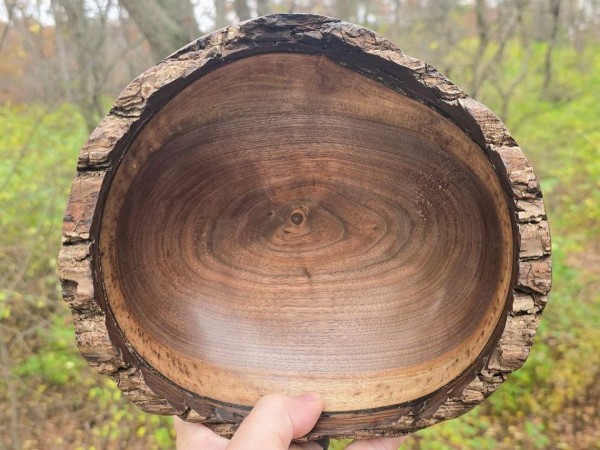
pixel 287 224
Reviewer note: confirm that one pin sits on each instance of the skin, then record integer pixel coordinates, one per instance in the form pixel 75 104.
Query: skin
pixel 272 424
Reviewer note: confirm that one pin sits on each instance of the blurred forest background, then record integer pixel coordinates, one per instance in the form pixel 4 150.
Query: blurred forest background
pixel 62 62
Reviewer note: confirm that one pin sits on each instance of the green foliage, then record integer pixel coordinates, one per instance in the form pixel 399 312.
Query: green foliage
pixel 339 445
pixel 55 363
pixel 126 422
pixel 38 150
pixel 554 392
pixel 560 133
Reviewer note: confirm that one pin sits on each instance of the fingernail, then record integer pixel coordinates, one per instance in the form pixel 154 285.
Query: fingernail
pixel 310 397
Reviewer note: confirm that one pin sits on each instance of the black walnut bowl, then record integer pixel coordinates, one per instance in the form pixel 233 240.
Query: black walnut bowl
pixel 292 204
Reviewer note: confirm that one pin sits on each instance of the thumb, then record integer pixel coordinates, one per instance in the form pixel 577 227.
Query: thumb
pixel 275 421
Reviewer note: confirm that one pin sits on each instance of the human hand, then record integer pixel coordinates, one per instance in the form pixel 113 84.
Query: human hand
pixel 272 425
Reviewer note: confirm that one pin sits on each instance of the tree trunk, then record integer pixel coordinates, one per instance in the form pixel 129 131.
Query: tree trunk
pixel 397 13
pixel 242 9
pixel 86 39
pixel 555 14
pixel 163 33
pixel 220 13
pixel 181 12
pixel 484 40
pixel 263 7
pixel 346 9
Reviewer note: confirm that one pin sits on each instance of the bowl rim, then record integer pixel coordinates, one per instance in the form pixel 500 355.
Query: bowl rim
pixel 101 341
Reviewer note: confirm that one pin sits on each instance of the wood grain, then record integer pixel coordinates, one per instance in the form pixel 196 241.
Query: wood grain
pixel 293 204
pixel 386 288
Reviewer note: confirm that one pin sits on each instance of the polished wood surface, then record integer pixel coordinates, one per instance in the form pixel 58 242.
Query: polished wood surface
pixel 287 224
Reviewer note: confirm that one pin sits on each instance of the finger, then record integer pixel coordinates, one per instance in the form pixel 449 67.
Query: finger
pixel 377 444
pixel 194 436
pixel 275 421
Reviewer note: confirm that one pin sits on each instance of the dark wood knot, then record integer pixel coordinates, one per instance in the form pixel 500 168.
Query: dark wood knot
pixel 297 218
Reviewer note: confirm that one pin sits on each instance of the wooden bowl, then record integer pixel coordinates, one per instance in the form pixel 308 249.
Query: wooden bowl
pixel 292 204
